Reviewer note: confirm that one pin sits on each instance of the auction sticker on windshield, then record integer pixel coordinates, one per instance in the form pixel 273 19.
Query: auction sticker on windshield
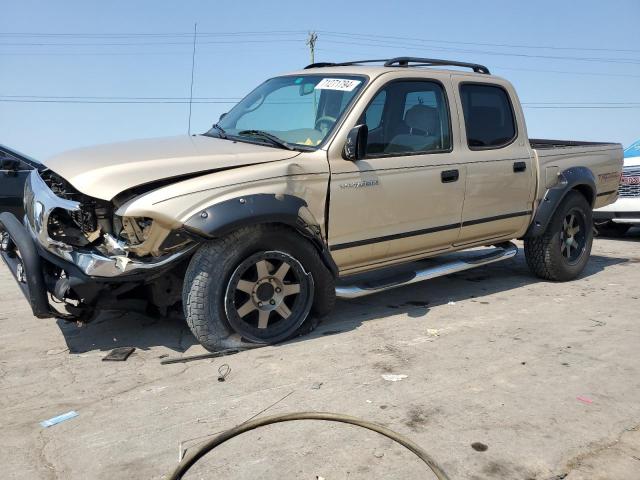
pixel 342 84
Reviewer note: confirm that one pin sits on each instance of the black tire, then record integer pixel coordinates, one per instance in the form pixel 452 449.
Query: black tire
pixel 612 229
pixel 208 298
pixel 549 256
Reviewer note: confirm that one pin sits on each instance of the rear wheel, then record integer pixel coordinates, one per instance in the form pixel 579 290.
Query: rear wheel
pixel 261 284
pixel 563 250
pixel 613 229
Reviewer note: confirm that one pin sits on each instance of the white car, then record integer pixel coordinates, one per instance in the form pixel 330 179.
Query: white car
pixel 615 219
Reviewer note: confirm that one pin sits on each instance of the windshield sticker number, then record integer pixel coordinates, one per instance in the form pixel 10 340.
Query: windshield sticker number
pixel 341 84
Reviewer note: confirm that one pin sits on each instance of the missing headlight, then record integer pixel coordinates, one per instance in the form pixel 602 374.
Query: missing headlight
pixel 66 227
pixel 135 230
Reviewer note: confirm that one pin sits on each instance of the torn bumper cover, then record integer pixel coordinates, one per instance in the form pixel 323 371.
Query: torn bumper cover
pixel 81 278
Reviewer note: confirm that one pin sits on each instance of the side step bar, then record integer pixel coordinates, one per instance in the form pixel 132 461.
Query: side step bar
pixel 502 251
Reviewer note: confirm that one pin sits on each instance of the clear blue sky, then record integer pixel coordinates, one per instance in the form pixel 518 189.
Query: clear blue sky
pixel 233 57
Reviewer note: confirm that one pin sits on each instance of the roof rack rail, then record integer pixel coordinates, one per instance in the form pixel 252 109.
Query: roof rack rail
pixel 408 62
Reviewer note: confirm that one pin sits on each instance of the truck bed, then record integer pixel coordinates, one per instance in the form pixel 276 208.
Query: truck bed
pixel 603 159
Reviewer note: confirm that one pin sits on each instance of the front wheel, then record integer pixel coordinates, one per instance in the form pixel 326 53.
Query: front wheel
pixel 562 251
pixel 260 284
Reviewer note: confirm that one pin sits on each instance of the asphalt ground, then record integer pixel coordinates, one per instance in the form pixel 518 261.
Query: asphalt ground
pixel 498 376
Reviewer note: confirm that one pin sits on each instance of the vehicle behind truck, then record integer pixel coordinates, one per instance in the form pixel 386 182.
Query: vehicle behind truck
pixel 616 219
pixel 320 183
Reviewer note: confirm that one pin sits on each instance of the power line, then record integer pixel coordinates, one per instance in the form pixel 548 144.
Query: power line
pixel 127 102
pixel 116 98
pixel 631 61
pixel 348 35
pixel 149 34
pixel 238 98
pixel 496 67
pixel 453 42
pixel 612 105
pixel 138 44
pixel 593 107
pixel 289 32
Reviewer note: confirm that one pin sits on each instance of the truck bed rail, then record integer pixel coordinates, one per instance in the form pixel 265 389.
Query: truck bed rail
pixel 542 144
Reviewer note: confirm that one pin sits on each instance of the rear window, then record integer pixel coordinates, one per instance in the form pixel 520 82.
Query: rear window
pixel 488 116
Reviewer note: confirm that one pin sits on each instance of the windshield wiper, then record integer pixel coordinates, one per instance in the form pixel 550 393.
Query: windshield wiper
pixel 221 131
pixel 268 136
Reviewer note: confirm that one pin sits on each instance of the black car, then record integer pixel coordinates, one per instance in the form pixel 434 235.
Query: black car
pixel 14 169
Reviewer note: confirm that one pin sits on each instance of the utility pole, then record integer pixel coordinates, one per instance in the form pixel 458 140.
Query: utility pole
pixel 193 66
pixel 311 41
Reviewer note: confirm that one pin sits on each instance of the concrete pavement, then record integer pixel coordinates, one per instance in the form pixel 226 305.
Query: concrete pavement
pixel 546 376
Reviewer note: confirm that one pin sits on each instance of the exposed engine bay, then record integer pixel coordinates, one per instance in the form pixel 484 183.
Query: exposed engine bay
pixel 96 225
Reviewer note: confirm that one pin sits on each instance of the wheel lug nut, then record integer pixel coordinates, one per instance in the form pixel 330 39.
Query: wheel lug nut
pixel 272 302
pixel 278 290
pixel 259 304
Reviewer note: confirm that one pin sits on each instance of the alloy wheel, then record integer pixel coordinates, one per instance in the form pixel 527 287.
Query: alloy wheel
pixel 268 297
pixel 573 236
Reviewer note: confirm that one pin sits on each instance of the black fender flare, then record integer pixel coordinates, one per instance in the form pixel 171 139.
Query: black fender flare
pixel 574 178
pixel 222 218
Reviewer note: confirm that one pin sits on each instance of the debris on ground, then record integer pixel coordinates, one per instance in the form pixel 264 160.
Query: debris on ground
pixel 221 353
pixel 182 446
pixel 451 302
pixel 433 332
pixel 59 419
pixel 57 351
pixel 584 399
pixel 479 447
pixel 119 354
pixel 390 377
pixel 316 386
pixel 223 371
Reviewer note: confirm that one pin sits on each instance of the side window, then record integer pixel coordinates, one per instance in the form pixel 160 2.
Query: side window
pixel 373 115
pixel 408 117
pixel 488 116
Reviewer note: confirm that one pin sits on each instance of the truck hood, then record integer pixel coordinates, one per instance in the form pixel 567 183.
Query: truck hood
pixel 103 171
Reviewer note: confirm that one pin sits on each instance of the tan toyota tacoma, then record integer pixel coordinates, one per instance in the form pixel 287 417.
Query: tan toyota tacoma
pixel 318 183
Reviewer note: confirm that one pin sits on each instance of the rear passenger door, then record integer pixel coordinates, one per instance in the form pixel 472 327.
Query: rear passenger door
pixel 500 178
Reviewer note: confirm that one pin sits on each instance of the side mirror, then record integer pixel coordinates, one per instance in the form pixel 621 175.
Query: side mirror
pixel 222 116
pixel 356 146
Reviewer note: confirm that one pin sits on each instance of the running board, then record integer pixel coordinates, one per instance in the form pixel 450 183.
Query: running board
pixel 503 251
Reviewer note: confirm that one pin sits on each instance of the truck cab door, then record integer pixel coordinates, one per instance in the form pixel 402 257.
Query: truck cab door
pixel 405 197
pixel 500 179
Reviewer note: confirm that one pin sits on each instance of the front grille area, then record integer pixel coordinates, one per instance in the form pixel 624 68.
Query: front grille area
pixel 630 182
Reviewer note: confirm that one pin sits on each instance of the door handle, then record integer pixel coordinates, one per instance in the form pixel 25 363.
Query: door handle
pixel 449 176
pixel 519 166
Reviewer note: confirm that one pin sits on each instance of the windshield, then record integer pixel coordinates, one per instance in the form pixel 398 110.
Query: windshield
pixel 299 110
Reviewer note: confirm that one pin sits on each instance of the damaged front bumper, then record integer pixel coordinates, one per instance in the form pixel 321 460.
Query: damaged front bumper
pixel 82 280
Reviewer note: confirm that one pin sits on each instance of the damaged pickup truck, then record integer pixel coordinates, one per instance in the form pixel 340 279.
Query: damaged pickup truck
pixel 316 184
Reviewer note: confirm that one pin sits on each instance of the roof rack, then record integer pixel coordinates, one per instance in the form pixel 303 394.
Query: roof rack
pixel 408 62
